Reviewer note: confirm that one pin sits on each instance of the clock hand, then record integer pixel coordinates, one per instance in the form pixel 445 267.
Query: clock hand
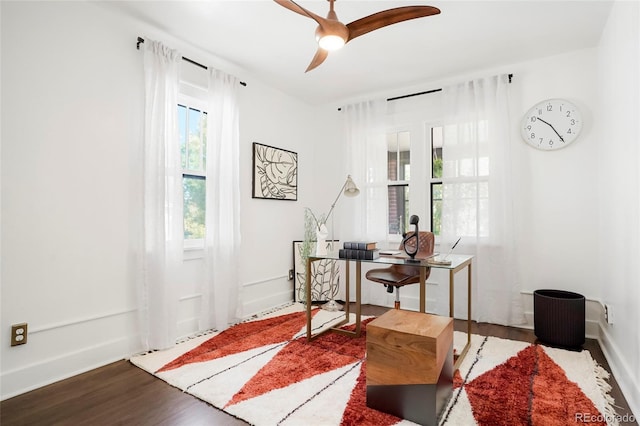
pixel 553 128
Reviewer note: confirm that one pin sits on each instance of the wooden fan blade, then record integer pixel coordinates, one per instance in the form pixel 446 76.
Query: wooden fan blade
pixel 319 58
pixel 293 6
pixel 388 17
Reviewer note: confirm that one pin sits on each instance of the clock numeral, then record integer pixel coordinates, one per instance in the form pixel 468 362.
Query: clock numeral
pixel 573 121
pixel 533 119
pixel 541 140
pixel 533 136
pixel 549 107
pixel 551 143
pixel 528 127
pixel 568 113
pixel 569 131
pixel 540 112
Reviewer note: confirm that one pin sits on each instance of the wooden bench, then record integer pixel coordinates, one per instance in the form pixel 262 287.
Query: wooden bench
pixel 410 365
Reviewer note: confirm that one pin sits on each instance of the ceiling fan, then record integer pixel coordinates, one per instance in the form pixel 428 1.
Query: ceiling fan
pixel 332 34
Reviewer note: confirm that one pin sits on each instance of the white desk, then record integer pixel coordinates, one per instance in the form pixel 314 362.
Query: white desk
pixel 458 263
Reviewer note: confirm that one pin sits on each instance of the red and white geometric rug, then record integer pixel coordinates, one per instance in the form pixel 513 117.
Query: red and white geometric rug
pixel 264 372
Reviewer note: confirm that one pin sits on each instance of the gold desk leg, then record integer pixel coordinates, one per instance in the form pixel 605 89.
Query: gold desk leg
pixel 307 290
pixel 456 365
pixel 423 290
pixel 358 296
pixel 451 308
pixel 451 292
pixel 469 303
pixel 347 282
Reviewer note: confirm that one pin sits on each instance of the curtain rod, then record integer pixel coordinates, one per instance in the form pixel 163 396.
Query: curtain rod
pixel 410 95
pixel 191 61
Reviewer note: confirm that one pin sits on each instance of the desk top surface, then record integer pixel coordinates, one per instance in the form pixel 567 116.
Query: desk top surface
pixel 402 259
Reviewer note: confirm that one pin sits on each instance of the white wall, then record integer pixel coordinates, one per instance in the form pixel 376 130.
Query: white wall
pixel 69 110
pixel 556 209
pixel 71 184
pixel 619 195
pixel 269 227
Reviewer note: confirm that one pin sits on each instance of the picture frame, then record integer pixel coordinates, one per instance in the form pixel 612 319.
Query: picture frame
pixel 275 173
pixel 325 283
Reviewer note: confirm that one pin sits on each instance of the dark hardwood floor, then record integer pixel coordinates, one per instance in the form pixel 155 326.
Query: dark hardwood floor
pixel 122 394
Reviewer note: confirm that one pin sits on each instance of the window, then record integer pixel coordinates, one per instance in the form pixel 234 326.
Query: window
pixel 423 194
pixel 398 176
pixel 192 126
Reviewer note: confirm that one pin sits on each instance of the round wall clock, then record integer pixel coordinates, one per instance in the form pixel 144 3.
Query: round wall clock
pixel 551 124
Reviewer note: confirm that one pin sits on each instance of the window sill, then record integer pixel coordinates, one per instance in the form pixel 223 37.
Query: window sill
pixel 193 252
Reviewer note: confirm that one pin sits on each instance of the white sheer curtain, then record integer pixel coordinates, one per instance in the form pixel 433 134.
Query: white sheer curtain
pixel 478 194
pixel 364 129
pixel 163 232
pixel 366 162
pixel 221 290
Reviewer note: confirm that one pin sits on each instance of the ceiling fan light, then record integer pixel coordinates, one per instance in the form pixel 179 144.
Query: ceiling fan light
pixel 331 42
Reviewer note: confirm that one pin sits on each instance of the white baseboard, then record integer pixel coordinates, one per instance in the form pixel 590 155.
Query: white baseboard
pixel 629 383
pixel 592 326
pixel 272 301
pixel 33 376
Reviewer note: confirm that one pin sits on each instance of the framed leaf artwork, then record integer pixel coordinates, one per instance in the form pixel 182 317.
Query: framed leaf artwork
pixel 325 276
pixel 275 173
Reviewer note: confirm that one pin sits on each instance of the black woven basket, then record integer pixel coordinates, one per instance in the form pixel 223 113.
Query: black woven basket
pixel 559 317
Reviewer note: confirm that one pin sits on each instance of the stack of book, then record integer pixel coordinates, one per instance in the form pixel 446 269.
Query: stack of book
pixel 361 250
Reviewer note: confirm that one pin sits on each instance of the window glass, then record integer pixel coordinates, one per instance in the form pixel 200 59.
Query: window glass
pixel 436 152
pixel 436 208
pixel 392 156
pixel 398 156
pixel 192 134
pixel 182 134
pixel 471 207
pixel 194 206
pixel 398 173
pixel 398 209
pixel 196 141
pixel 436 179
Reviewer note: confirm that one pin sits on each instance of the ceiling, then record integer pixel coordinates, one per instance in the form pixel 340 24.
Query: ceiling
pixel 276 44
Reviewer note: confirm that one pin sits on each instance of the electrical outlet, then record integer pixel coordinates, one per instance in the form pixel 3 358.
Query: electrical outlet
pixel 608 314
pixel 290 274
pixel 18 334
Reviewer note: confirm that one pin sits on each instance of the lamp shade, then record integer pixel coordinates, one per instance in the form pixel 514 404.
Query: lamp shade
pixel 350 188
